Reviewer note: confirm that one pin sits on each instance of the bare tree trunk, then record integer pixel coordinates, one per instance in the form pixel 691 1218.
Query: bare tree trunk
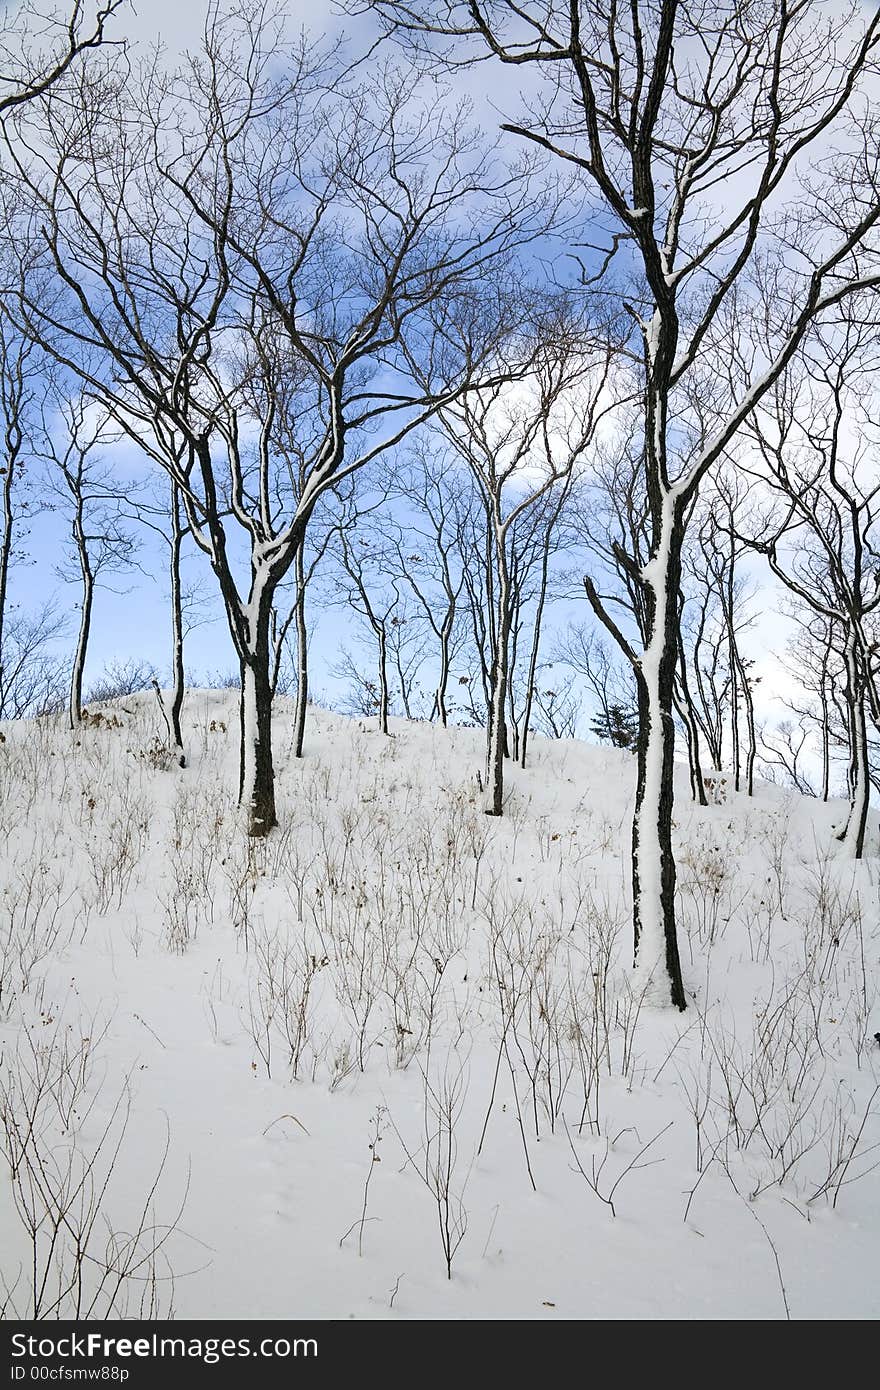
pixel 12 446
pixel 695 771
pixel 443 678
pixel 403 683
pixel 536 642
pixel 178 677
pixel 656 944
pixel 74 702
pixel 383 680
pixel 302 659
pixel 826 729
pixel 257 773
pixel 733 659
pixel 497 742
pixel 752 749
pixel 853 834
pixel 512 731
pixel 692 729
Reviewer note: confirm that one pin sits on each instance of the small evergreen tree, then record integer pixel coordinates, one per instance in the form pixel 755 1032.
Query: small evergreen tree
pixel 617 725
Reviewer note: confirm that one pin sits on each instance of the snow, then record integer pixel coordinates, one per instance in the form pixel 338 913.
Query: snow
pixel 172 944
pixel 249 732
pixel 652 335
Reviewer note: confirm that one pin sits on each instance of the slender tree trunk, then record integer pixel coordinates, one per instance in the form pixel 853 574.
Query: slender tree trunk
pixel 443 679
pixel 75 695
pixel 695 771
pixel 752 745
pixel 403 683
pixel 497 742
pixel 688 718
pixel 656 943
pixel 826 729
pixel 6 543
pixel 513 729
pixel 302 659
pixel 853 835
pixel 536 643
pixel 734 716
pixel 383 681
pixel 178 677
pixel 733 661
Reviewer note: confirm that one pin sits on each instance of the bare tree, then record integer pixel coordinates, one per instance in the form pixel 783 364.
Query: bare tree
pixel 308 560
pixel 822 455
pixel 367 581
pixel 784 748
pixel 34 674
pixel 166 519
pixel 551 539
pixel 657 107
pixel 557 710
pixel 88 490
pixel 523 438
pixel 243 222
pixel 36 50
pixel 20 371
pixel 814 657
pixel 608 681
pixel 610 519
pixel 715 612
pixel 426 550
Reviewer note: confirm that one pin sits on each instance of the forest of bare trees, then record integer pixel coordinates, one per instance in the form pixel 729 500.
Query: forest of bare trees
pixel 558 419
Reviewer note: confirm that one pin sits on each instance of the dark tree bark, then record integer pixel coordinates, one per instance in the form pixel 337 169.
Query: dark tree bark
pixel 178 675
pixel 497 733
pixel 692 730
pixel 302 659
pixel 256 788
pixel 87 593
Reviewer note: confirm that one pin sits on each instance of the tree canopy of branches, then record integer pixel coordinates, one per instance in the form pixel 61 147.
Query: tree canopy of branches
pixel 252 240
pixel 818 441
pixel 683 128
pixel 36 50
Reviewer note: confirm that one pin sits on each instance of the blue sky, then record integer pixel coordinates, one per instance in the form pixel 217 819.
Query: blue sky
pixel 135 623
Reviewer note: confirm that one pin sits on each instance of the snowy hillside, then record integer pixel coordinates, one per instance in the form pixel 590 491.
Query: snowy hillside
pixel 310 1068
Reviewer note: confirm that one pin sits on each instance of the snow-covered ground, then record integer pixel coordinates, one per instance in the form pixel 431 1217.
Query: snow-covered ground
pixel 399 1024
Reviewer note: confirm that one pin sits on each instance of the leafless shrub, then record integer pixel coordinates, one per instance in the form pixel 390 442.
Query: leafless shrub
pixel 114 852
pixel 32 922
pixel 593 1176
pixel 80 1262
pixel 377 1128
pixel 280 996
pixel 437 1160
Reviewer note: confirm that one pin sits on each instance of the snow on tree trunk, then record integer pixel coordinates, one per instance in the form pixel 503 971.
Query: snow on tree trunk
pixel 657 965
pixel 257 773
